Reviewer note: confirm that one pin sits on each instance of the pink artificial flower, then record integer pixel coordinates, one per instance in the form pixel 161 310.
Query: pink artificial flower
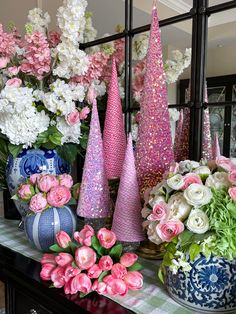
pixel 25 192
pixel 67 287
pixel 57 277
pixel 38 203
pixel 167 230
pixel 73 117
pixel 34 177
pixel 225 163
pixel 232 193
pixel 91 95
pixel 71 272
pixel 46 271
pixel 3 62
pixel 84 113
pixel 84 237
pixel 108 279
pixel 117 286
pixel 8 43
pixel 191 178
pixel 85 257
pixel 160 211
pixel 48 259
pixel 99 287
pixel 107 238
pixel 118 271
pixel 14 82
pixel 63 239
pixel 119 54
pixel 81 283
pixel 58 196
pixel 105 262
pixel 46 182
pixel 13 70
pixel 128 259
pixel 64 259
pixel 232 177
pixel 134 280
pixel 66 180
pixel 174 167
pixel 54 38
pixel 94 271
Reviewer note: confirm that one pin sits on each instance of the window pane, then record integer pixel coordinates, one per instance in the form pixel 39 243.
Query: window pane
pixel 217 124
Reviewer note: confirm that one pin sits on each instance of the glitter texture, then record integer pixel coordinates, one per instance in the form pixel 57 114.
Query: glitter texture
pixel 154 151
pixel 127 220
pixel 114 138
pixel 206 137
pixel 94 201
pixel 216 147
pixel 178 137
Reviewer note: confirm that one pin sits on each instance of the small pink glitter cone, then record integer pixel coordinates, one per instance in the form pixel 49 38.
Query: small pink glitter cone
pixel 94 201
pixel 216 147
pixel 154 151
pixel 127 220
pixel 178 132
pixel 206 137
pixel 114 138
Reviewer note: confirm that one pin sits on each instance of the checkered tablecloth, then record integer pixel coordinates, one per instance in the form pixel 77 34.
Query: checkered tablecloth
pixel 152 299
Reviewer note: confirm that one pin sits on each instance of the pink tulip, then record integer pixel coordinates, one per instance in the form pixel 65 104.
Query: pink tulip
pixel 3 62
pixel 14 82
pixel 128 259
pixel 107 238
pixel 105 262
pixel 84 237
pixel 99 287
pixel 118 271
pixel 232 193
pixel 58 196
pixel 46 182
pixel 13 70
pixel 34 177
pixel 57 277
pixel 84 113
pixel 73 117
pixel 85 257
pixel 94 271
pixel 71 272
pixel 81 283
pixel 117 286
pixel 38 203
pixel 167 230
pixel 232 177
pixel 48 259
pixel 108 279
pixel 25 192
pixel 160 212
pixel 67 287
pixel 191 178
pixel 63 239
pixel 65 180
pixel 46 271
pixel 64 259
pixel 134 280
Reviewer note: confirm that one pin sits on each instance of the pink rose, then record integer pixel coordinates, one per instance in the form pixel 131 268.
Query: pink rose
pixel 84 113
pixel 117 286
pixel 46 182
pixel 73 117
pixel 134 280
pixel 46 271
pixel 191 178
pixel 160 212
pixel 118 271
pixel 3 62
pixel 225 163
pixel 232 193
pixel 107 238
pixel 232 177
pixel 94 271
pixel 58 196
pixel 85 257
pixel 128 259
pixel 71 272
pixel 167 230
pixel 25 192
pixel 64 259
pixel 38 203
pixel 14 82
pixel 99 287
pixel 105 262
pixel 63 239
pixel 13 70
pixel 48 259
pixel 81 283
pixel 65 180
pixel 57 277
pixel 34 177
pixel 84 237
pixel 91 96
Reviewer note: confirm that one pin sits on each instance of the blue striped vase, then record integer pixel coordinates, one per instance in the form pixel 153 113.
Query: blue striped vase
pixel 41 229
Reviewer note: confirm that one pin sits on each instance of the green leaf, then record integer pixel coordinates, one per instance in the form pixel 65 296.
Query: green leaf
pixel 135 266
pixel 185 237
pixel 15 197
pixel 73 264
pixel 14 149
pixel 97 247
pixel 194 251
pixel 73 247
pixel 103 274
pixel 162 273
pixel 82 295
pixel 49 145
pixel 167 259
pixel 68 152
pixel 116 251
pixel 55 138
pixel 56 248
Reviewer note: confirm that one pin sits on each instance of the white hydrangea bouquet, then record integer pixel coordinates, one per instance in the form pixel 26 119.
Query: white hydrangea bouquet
pixel 41 105
pixel 193 211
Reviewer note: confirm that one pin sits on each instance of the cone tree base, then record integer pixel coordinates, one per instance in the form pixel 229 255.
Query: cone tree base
pixel 150 250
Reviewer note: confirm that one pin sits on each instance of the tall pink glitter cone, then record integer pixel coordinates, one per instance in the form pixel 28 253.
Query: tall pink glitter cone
pixel 178 132
pixel 206 139
pixel 154 150
pixel 94 201
pixel 216 147
pixel 114 138
pixel 127 220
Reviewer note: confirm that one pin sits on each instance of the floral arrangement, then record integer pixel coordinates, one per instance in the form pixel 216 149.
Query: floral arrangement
pixel 193 211
pixel 42 191
pixel 92 262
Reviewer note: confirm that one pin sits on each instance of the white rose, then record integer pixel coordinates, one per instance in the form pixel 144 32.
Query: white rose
pixel 197 194
pixel 188 165
pixel 158 189
pixel 218 180
pixel 145 212
pixel 176 182
pixel 202 170
pixel 156 200
pixel 198 221
pixel 151 232
pixel 179 208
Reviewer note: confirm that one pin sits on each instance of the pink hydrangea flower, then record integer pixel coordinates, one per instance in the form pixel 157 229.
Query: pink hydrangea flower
pixel 54 38
pixel 8 43
pixel 3 62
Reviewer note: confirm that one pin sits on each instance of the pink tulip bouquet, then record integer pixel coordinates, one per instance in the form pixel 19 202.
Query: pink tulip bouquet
pixel 92 262
pixel 192 212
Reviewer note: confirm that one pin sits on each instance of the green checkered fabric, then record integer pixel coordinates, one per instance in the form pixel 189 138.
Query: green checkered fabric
pixel 152 299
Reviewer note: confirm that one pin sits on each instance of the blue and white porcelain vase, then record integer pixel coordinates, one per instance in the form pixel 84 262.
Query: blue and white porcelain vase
pixel 209 287
pixel 28 162
pixel 41 228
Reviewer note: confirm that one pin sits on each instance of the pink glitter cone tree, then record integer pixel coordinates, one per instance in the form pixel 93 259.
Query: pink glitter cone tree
pixel 154 150
pixel 94 201
pixel 206 136
pixel 114 138
pixel 216 147
pixel 127 220
pixel 178 132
